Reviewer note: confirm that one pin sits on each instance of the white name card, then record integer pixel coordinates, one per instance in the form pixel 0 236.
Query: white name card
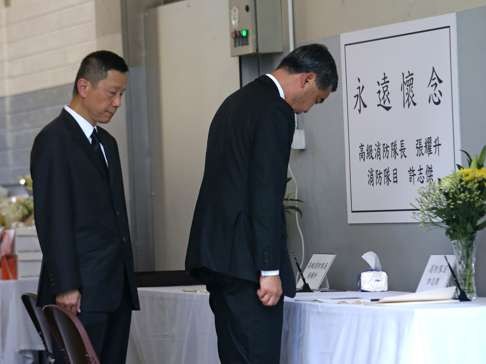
pixel 436 274
pixel 316 270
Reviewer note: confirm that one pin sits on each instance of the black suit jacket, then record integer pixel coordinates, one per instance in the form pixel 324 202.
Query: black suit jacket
pixel 238 227
pixel 81 217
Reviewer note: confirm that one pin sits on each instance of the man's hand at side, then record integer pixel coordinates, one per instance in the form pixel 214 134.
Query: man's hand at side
pixel 70 300
pixel 270 290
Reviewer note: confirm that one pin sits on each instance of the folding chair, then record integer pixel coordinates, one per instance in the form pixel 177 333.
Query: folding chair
pixel 40 323
pixel 76 342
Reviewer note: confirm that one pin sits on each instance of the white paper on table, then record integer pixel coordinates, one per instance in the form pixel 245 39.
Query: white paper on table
pixel 439 294
pixel 343 296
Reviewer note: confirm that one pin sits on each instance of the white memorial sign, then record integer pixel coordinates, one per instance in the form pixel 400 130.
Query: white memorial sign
pixel 436 273
pixel 316 270
pixel 401 116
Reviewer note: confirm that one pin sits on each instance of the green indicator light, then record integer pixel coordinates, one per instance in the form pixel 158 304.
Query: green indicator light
pixel 244 33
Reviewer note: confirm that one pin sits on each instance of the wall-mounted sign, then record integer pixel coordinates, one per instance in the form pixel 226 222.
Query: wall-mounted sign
pixel 401 115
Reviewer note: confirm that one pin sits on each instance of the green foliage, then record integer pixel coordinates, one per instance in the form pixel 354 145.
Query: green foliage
pixel 291 204
pixel 458 201
pixel 477 161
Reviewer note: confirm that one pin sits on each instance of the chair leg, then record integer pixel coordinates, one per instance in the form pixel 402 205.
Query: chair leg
pixel 41 357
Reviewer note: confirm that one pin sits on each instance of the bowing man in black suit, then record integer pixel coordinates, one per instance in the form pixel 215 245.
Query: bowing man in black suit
pixel 80 211
pixel 237 244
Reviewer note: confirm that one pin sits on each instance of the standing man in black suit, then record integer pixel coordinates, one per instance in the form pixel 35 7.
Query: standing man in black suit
pixel 237 244
pixel 80 210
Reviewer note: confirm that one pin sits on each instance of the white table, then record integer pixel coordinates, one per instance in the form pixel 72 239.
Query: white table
pixel 413 333
pixel 173 326
pixel 177 327
pixel 18 337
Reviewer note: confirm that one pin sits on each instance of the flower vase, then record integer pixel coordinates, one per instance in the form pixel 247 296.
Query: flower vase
pixel 465 252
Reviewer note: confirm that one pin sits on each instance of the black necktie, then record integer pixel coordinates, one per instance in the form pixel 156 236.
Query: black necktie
pixel 96 144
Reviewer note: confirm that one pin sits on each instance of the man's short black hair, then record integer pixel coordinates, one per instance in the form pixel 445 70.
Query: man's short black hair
pixel 313 58
pixel 95 66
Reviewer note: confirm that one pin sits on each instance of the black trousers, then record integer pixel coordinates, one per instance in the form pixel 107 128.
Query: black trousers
pixel 248 332
pixel 108 331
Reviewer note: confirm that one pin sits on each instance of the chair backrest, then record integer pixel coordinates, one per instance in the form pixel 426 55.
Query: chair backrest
pixel 74 337
pixel 40 323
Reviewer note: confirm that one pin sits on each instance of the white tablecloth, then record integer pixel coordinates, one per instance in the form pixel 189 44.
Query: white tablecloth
pixel 177 327
pixel 18 337
pixel 173 327
pixel 413 333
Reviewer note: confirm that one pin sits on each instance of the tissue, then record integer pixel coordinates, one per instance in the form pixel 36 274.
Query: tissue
pixel 375 279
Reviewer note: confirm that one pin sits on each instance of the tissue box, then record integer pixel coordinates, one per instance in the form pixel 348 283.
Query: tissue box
pixel 374 281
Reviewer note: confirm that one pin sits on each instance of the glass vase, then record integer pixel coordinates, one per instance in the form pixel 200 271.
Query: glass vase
pixel 465 252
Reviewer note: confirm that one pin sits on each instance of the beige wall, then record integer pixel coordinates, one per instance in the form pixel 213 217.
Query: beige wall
pixel 108 25
pixel 316 19
pixel 45 40
pixel 196 74
pixel 3 51
pixel 108 35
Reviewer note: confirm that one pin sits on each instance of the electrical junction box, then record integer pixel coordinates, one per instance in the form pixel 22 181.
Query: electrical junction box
pixel 255 27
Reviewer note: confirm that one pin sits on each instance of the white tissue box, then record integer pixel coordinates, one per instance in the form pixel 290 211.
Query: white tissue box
pixel 374 281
